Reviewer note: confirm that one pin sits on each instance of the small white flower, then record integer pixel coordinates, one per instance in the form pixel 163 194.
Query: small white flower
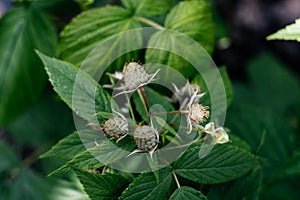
pixel 134 76
pixel 117 75
pixel 219 135
pixel 112 77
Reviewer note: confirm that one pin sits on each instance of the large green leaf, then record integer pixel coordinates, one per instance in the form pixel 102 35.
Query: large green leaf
pixel 273 85
pixel 81 93
pixel 92 27
pixel 29 185
pixel 67 148
pixel 246 187
pixel 191 18
pixel 185 192
pixel 147 186
pixel 290 32
pixel 82 161
pixel 97 154
pixel 22 77
pixel 41 121
pixel 194 19
pixel 109 152
pixel 148 8
pixel 98 186
pixel 74 150
pixel 222 164
pixel 292 167
pixel 262 130
pixel 258 111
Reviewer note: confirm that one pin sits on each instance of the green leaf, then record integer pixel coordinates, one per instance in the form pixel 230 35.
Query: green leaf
pixel 191 18
pixel 22 77
pixel 146 186
pixel 62 188
pixel 185 192
pixel 194 19
pixel 222 164
pixel 215 91
pixel 246 187
pixel 66 148
pixel 106 186
pixel 105 152
pixel 292 167
pixel 97 152
pixel 41 121
pixel 94 26
pixel 148 8
pixel 83 161
pixel 262 130
pixel 282 86
pixel 30 186
pixel 109 152
pixel 290 32
pixel 77 89
pixel 166 48
pixel 74 150
pixel 8 158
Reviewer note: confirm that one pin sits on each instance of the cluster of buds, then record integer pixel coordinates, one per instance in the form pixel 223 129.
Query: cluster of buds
pixel 146 137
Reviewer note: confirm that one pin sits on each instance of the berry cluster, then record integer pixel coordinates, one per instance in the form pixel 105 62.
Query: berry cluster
pixel 134 77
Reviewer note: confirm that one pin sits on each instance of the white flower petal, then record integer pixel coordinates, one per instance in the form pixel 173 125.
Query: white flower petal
pixel 221 136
